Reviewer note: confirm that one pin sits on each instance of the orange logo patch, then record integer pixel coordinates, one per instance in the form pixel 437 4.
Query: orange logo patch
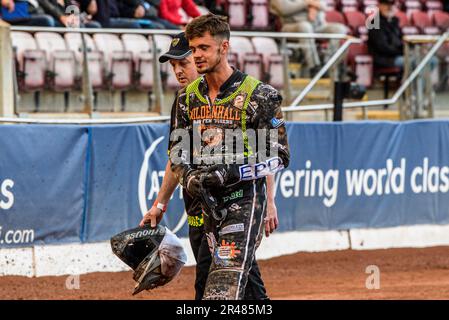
pixel 227 251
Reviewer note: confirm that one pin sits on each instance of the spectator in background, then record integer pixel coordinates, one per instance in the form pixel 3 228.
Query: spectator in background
pixel 385 43
pixel 108 15
pixel 169 10
pixel 307 16
pixel 147 12
pixel 64 14
pixel 25 13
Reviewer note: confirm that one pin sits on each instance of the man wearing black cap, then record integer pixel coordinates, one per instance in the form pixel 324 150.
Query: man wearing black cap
pixel 385 39
pixel 180 57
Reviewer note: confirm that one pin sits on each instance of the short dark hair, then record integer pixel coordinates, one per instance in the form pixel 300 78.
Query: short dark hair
pixel 216 25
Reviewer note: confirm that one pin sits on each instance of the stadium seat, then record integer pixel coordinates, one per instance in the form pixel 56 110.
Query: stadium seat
pixel 433 6
pixel 441 20
pixel 403 19
pixel 143 59
pixel 163 44
pixel 95 58
pixel 355 20
pixel 61 61
pixel 248 60
pixel 259 14
pixel 252 65
pixel 412 6
pixel 118 61
pixel 335 16
pixel 420 19
pixel 349 5
pixel 30 61
pixel 361 63
pixel 272 60
pixel 237 13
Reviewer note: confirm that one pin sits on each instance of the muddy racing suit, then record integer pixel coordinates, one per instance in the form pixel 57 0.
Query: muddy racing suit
pixel 243 103
pixel 255 289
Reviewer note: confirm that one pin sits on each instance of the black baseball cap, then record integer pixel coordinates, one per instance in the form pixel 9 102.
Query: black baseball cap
pixel 179 49
pixel 387 1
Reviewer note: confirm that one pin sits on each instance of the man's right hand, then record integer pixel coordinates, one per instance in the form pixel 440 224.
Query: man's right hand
pixel 153 216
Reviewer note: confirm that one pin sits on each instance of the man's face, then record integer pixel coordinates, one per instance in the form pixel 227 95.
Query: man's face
pixel 184 70
pixel 208 52
pixel 386 10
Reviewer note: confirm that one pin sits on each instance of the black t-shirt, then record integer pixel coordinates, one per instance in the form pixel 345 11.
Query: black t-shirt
pixel 192 205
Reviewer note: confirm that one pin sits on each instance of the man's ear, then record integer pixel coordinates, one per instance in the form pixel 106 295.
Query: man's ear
pixel 225 46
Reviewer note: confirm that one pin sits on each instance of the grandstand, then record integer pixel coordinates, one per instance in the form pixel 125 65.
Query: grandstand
pixel 49 63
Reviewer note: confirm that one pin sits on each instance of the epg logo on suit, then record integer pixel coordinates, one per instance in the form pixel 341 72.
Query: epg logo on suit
pixel 6 195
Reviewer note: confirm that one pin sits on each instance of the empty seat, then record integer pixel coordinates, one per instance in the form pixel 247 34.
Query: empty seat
pixel 241 46
pixel 361 62
pixel 237 13
pixel 403 19
pixel 31 62
pixel 433 6
pixel 118 61
pixel 94 58
pixel 163 43
pixel 356 19
pixel 142 52
pixel 249 61
pixel 441 20
pixel 349 5
pixel 61 60
pixel 412 6
pixel 272 60
pixel 335 16
pixel 252 65
pixel 260 14
pixel 420 19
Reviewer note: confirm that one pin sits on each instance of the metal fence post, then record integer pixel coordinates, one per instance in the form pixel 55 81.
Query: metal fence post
pixel 87 84
pixel 7 107
pixel 158 93
pixel 285 63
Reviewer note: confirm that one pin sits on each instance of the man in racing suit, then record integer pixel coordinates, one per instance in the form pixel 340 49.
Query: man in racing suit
pixel 232 185
pixel 179 56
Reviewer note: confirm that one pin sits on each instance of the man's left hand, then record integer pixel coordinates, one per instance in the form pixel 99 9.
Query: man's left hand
pixel 271 220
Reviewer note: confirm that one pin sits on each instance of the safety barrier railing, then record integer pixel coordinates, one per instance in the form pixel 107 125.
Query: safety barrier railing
pixel 410 77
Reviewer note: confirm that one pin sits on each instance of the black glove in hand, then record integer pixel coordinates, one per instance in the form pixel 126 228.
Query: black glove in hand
pixel 192 183
pixel 216 177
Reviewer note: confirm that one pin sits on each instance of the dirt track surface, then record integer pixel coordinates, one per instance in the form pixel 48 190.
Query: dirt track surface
pixel 404 274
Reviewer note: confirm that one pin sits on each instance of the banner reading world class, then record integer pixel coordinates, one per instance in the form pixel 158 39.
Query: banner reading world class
pixel 61 184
